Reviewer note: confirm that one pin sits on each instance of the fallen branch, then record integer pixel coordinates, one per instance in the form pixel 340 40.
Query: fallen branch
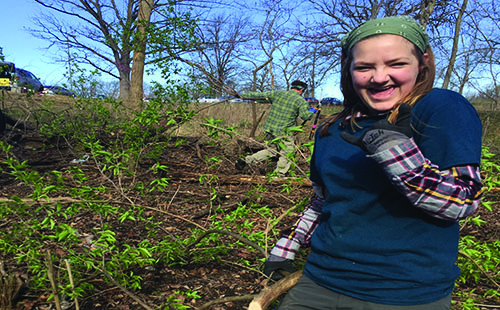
pixel 238 179
pixel 270 293
pixel 50 200
pixel 224 300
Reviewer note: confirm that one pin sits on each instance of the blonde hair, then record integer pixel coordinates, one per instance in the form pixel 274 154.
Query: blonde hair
pixel 353 103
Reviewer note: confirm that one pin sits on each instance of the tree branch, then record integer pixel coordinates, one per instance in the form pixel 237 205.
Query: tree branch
pixel 270 293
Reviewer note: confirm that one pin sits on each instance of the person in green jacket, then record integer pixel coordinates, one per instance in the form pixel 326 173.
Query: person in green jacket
pixel 286 107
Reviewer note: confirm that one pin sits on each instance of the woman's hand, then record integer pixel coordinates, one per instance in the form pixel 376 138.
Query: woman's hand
pixel 383 135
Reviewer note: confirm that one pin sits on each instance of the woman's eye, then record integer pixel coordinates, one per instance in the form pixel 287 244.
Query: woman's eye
pixel 399 64
pixel 361 68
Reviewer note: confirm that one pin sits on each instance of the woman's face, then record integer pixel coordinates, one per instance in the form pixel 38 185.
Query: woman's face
pixel 384 69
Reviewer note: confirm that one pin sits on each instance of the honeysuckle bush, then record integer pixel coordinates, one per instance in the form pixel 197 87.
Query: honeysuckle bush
pixel 114 140
pixel 41 222
pixel 45 217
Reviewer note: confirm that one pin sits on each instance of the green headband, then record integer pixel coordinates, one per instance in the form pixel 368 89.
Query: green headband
pixel 404 26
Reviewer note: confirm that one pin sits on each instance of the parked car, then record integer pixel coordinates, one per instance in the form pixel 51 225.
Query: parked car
pixel 207 99
pixel 312 101
pixel 238 100
pixel 58 90
pixel 330 101
pixel 225 98
pixel 27 81
pixel 7 73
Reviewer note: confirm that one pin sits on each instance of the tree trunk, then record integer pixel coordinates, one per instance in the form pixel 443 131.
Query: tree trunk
pixel 426 9
pixel 137 77
pixel 456 38
pixel 124 86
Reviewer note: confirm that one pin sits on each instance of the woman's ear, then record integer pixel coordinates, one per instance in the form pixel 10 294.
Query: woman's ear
pixel 426 62
pixel 426 58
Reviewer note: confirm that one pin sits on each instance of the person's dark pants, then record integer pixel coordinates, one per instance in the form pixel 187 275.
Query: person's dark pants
pixel 307 295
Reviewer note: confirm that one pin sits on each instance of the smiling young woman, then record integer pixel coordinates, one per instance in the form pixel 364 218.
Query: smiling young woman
pixel 392 173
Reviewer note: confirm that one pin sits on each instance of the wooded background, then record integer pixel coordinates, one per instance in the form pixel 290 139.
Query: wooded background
pixel 254 45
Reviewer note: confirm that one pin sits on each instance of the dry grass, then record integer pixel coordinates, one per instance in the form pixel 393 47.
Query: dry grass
pixel 36 108
pixel 239 115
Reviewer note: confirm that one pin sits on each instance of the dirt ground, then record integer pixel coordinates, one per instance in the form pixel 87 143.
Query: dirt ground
pixel 215 279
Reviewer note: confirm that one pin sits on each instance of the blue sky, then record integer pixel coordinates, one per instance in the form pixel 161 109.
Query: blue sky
pixel 21 48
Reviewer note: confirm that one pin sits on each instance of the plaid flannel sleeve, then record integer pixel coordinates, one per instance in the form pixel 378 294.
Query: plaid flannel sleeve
pixel 451 194
pixel 300 234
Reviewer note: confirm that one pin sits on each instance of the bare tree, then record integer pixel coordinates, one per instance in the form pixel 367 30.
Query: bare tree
pixel 221 41
pixel 456 39
pixel 103 33
pixel 483 43
pixel 271 36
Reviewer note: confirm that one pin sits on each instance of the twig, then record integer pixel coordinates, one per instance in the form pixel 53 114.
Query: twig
pixel 172 199
pixel 70 276
pixel 129 293
pixel 480 268
pixel 488 306
pixel 48 201
pixel 210 76
pixel 209 106
pixel 50 274
pixel 176 216
pixel 118 188
pixel 243 267
pixel 266 232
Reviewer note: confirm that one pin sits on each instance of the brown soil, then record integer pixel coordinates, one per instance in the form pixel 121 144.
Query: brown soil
pixel 183 205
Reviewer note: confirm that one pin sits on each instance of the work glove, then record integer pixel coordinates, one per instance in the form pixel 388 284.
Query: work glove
pixel 313 110
pixel 383 135
pixel 277 268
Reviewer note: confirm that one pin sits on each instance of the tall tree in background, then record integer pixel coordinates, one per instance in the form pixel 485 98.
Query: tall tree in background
pixel 221 42
pixel 100 32
pixel 271 29
pixel 140 44
pixel 456 39
pixel 103 33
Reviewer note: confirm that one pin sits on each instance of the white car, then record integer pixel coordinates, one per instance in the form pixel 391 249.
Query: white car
pixel 207 99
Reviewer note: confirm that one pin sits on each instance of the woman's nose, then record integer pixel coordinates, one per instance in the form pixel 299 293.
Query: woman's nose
pixel 380 76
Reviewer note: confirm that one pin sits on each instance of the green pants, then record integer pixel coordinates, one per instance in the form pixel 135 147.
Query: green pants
pixel 307 295
pixel 282 149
